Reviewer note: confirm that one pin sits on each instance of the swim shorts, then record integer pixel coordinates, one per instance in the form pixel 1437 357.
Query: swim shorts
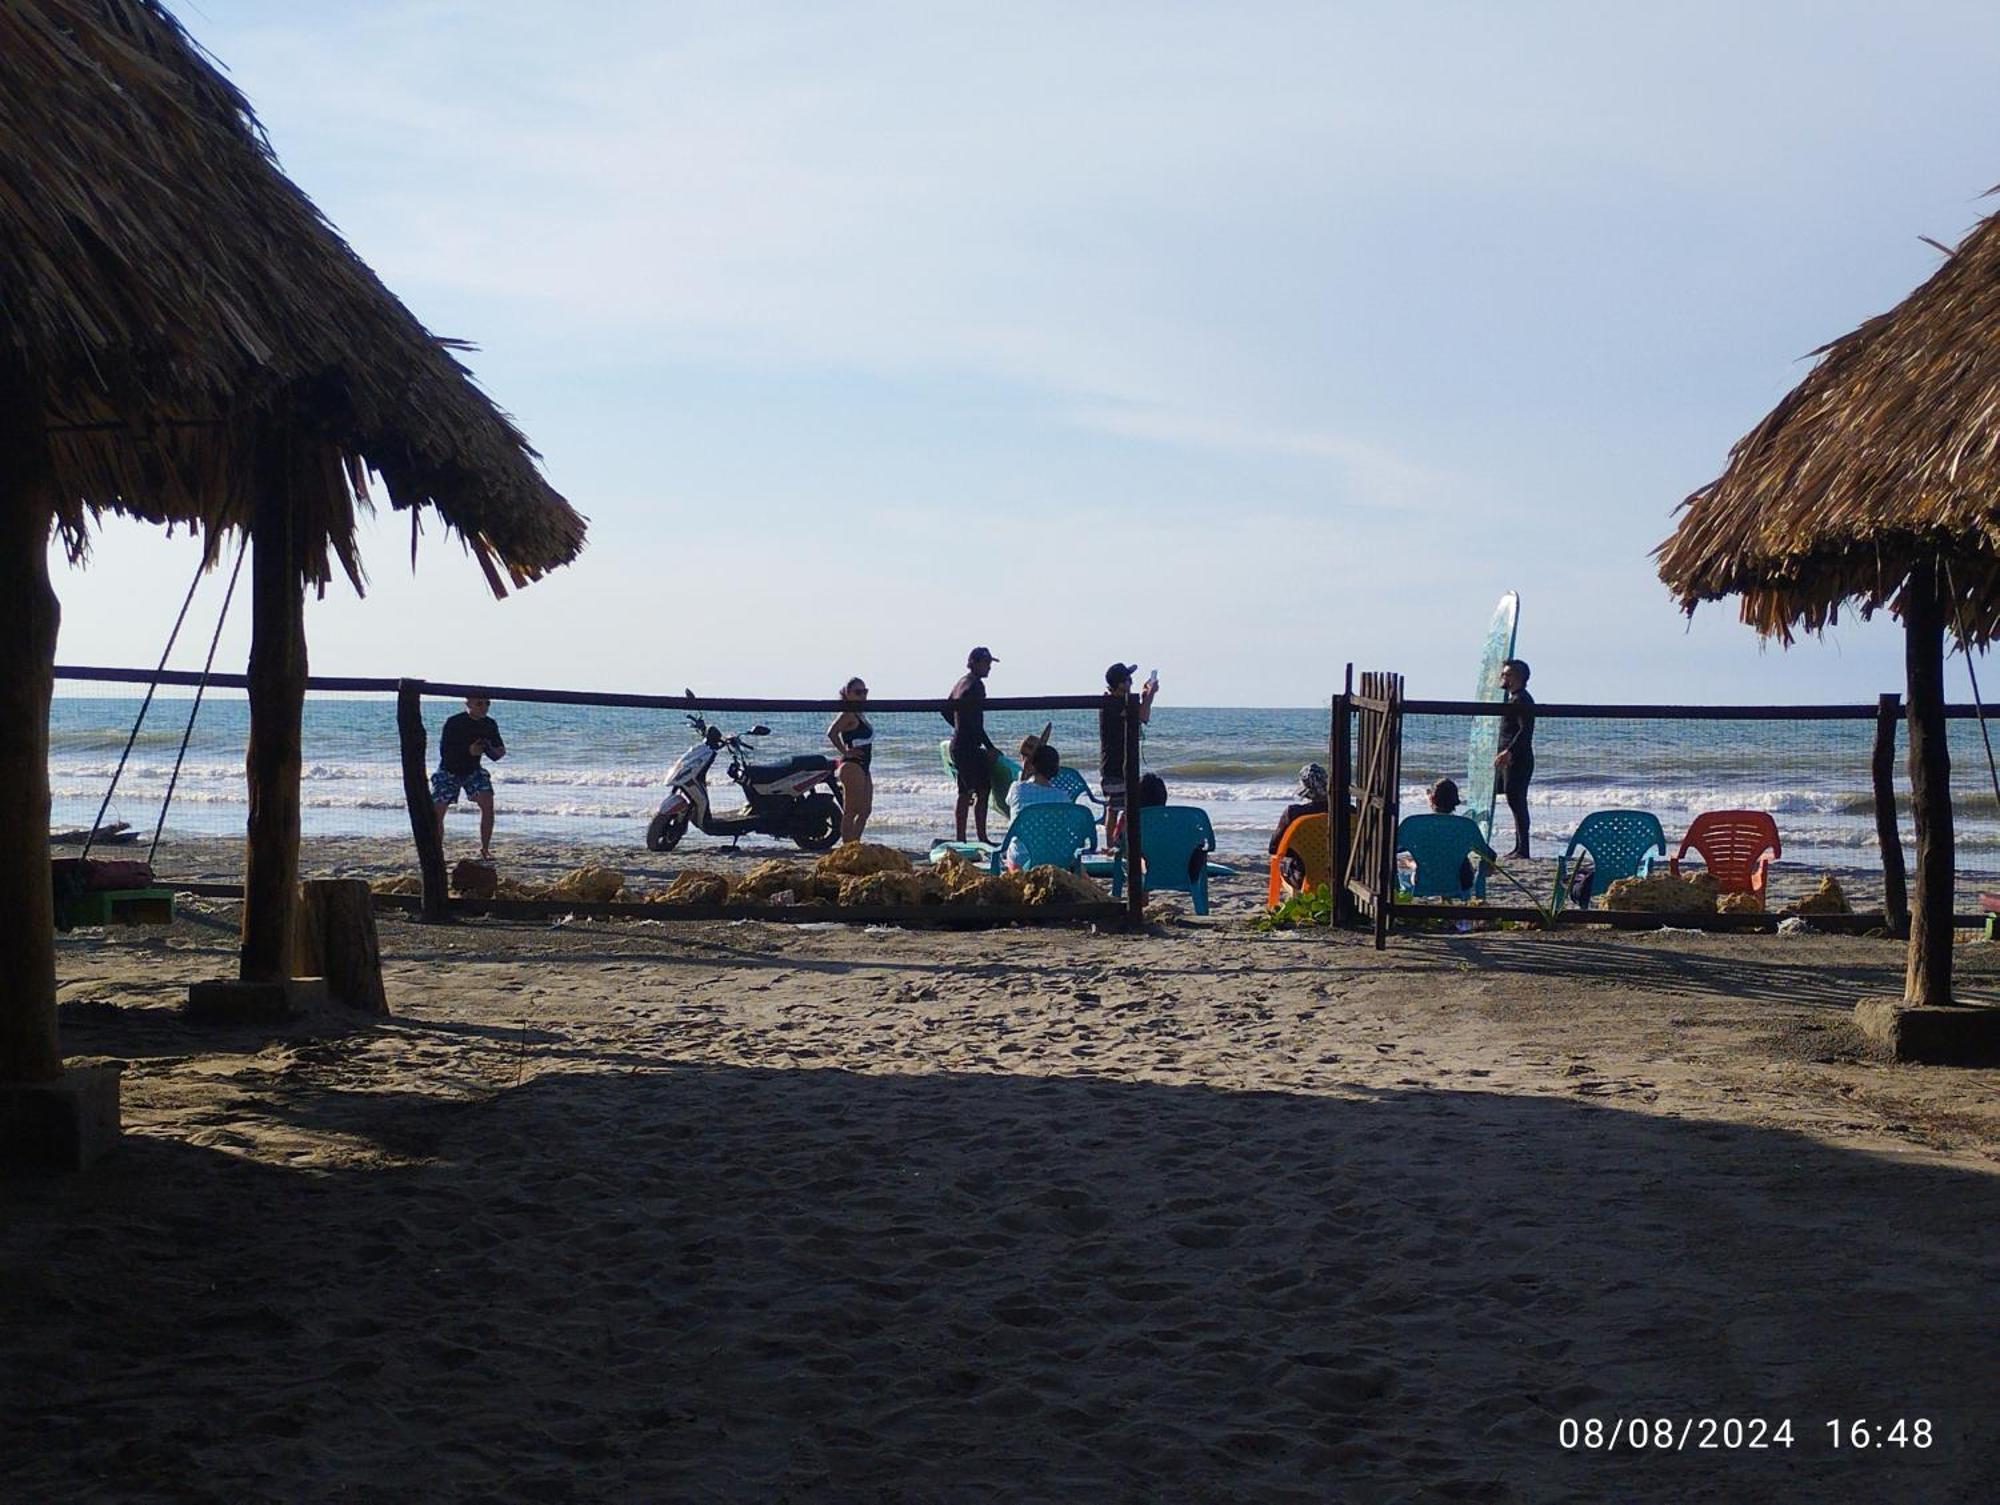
pixel 445 785
pixel 1114 793
pixel 975 770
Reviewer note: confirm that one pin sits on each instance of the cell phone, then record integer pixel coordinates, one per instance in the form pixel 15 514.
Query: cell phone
pixel 1152 679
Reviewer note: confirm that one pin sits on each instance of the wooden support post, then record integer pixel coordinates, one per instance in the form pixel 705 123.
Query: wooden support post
pixel 1135 876
pixel 277 687
pixel 1928 977
pixel 335 939
pixel 417 795
pixel 1339 790
pixel 1888 834
pixel 28 620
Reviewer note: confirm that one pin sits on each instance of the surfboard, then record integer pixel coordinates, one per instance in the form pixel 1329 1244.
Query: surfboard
pixel 1485 734
pixel 1005 771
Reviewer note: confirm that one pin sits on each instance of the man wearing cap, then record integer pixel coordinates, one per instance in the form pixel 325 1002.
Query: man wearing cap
pixel 972 751
pixel 1111 740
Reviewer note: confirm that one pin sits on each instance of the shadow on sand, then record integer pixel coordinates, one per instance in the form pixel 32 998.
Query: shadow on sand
pixel 724 1283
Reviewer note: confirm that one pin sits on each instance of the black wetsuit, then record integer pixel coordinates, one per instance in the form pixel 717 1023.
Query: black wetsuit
pixel 1517 739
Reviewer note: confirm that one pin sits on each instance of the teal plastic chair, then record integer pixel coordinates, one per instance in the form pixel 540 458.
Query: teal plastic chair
pixel 1621 844
pixel 1441 844
pixel 1073 784
pixel 1170 836
pixel 1049 835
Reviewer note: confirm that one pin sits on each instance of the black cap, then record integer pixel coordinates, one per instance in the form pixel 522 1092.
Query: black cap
pixel 977 654
pixel 1117 672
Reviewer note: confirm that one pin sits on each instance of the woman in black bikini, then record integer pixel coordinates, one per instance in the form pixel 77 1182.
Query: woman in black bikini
pixel 853 741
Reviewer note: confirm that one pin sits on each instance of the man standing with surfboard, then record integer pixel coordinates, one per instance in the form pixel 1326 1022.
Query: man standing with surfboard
pixel 1514 763
pixel 972 751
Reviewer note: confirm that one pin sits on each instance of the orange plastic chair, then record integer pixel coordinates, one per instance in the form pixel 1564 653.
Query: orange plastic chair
pixel 1739 847
pixel 1310 839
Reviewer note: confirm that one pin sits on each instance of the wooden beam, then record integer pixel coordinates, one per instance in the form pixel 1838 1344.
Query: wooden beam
pixel 28 620
pixel 1888 833
pixel 277 687
pixel 414 741
pixel 1928 978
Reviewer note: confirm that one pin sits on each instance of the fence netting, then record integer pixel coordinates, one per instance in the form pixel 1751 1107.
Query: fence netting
pixel 1814 777
pixel 580 783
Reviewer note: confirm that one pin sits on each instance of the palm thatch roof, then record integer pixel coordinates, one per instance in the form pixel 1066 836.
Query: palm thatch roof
pixel 1886 457
pixel 167 294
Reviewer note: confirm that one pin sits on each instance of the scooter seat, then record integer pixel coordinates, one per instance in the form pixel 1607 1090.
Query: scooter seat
pixel 770 773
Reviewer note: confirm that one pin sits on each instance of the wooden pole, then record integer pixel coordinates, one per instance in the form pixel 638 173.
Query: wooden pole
pixel 28 619
pixel 1135 877
pixel 417 795
pixel 1339 782
pixel 1888 834
pixel 1928 978
pixel 277 688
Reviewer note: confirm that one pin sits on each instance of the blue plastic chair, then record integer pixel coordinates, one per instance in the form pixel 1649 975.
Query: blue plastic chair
pixel 1170 836
pixel 1442 844
pixel 1073 784
pixel 1050 835
pixel 1621 844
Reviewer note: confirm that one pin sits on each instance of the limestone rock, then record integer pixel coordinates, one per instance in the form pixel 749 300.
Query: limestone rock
pixel 693 888
pixel 1828 898
pixel 1663 893
pixel 592 884
pixel 473 879
pixel 1054 885
pixel 860 859
pixel 882 887
pixel 1740 904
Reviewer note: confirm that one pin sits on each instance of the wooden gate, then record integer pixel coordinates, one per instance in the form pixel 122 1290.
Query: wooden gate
pixel 1369 776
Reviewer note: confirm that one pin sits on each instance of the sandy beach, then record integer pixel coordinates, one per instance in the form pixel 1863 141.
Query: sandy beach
pixel 624 1211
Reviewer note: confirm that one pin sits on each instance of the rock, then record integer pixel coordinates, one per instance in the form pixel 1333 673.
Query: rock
pixel 1663 893
pixel 1828 898
pixel 595 885
pixel 861 859
pixel 1739 904
pixel 883 887
pixel 775 876
pixel 409 884
pixel 1054 885
pixel 693 888
pixel 473 879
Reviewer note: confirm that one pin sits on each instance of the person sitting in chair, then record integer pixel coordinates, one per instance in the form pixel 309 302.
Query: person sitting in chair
pixel 1034 787
pixel 1445 801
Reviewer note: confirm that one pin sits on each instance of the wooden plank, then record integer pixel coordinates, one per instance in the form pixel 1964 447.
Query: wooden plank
pixel 1888 833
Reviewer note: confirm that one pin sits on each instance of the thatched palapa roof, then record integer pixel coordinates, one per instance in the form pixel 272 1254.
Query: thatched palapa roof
pixel 1886 457
pixel 168 294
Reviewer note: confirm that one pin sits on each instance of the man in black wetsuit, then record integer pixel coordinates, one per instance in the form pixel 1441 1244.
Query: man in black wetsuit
pixel 466 738
pixel 1514 763
pixel 972 751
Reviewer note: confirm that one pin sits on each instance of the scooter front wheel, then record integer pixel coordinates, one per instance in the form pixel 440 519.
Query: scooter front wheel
pixel 817 826
pixel 665 833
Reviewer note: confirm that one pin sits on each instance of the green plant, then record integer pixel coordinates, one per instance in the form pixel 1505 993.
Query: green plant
pixel 1312 906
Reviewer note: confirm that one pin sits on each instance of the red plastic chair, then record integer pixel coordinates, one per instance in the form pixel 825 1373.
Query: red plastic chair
pixel 1738 846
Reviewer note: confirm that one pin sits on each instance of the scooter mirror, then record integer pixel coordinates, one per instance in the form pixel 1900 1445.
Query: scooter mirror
pixel 759 730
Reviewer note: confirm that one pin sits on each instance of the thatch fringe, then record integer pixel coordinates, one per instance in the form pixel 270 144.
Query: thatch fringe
pixel 1885 459
pixel 171 294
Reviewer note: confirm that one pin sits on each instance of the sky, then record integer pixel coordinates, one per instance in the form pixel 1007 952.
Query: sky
pixel 1242 341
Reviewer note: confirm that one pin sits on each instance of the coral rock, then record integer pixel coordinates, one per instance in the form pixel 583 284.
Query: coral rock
pixel 1054 885
pixel 474 880
pixel 694 888
pixel 1740 904
pixel 591 884
pixel 883 887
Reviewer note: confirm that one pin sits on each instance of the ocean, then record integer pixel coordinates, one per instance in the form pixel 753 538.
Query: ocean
pixel 592 775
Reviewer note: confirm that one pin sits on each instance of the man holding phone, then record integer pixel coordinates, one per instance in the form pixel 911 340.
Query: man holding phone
pixel 1111 740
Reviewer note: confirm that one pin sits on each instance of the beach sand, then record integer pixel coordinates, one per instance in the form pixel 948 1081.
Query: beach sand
pixel 629 1211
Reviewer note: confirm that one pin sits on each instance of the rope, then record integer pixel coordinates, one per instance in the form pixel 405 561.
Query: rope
pixel 119 772
pixel 199 690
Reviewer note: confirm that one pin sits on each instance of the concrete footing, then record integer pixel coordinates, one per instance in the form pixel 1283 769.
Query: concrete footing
pixel 1935 1034
pixel 227 1001
pixel 63 1125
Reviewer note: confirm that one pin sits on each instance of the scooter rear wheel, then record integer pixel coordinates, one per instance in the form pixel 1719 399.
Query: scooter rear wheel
pixel 817 828
pixel 665 833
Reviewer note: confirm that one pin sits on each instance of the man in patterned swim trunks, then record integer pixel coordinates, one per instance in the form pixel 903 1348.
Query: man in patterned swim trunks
pixel 466 738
